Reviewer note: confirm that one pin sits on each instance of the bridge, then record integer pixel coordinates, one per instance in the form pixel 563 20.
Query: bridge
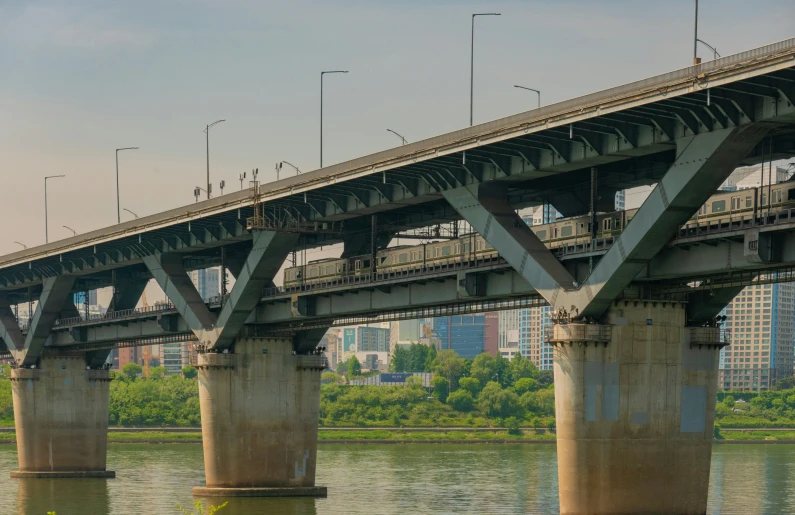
pixel 634 395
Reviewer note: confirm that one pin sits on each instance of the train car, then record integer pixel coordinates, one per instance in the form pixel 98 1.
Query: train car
pixel 322 270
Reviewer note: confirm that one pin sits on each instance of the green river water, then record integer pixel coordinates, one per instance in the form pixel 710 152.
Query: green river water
pixel 385 480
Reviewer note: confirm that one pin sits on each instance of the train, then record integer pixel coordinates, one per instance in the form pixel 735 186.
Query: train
pixel 723 208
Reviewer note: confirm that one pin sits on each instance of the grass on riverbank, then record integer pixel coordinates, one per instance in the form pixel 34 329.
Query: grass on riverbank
pixel 756 435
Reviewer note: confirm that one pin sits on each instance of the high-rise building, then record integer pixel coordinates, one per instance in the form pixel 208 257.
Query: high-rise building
pixel 760 318
pixel 621 198
pixel 491 334
pixel 464 334
pixel 175 356
pixel 372 339
pixel 207 282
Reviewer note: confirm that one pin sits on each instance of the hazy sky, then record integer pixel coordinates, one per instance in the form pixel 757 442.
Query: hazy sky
pixel 81 78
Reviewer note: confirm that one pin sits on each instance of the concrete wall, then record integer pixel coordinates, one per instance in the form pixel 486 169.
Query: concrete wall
pixel 61 416
pixel 635 418
pixel 259 409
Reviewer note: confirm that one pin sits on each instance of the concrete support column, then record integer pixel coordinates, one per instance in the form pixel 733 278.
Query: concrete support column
pixel 61 418
pixel 259 409
pixel 635 415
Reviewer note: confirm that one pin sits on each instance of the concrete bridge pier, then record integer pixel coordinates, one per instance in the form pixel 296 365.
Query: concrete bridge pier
pixel 635 411
pixel 259 410
pixel 61 418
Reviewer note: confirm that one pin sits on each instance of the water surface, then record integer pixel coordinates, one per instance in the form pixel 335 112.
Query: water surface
pixel 387 480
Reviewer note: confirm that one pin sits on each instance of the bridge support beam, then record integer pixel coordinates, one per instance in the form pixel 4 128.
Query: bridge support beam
pixel 635 415
pixel 259 411
pixel 61 418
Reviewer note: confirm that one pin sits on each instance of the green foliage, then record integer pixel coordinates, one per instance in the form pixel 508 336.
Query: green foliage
pixel 449 365
pixel 414 382
pixel 513 425
pixel 158 372
pixel 439 385
pixel 524 385
pixel 521 368
pixel 461 400
pixel 785 383
pixel 415 358
pixel 729 401
pixel 493 401
pixel 354 367
pixel 487 368
pixel 198 507
pixel 470 384
pixel 167 401
pixel 189 372
pixel 330 377
pixel 132 370
pixel 342 368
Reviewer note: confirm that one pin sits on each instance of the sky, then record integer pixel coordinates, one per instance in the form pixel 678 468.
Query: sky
pixel 81 78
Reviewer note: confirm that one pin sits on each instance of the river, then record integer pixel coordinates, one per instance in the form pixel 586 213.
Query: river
pixel 385 480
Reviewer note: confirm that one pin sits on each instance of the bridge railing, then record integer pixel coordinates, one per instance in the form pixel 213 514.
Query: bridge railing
pixel 113 315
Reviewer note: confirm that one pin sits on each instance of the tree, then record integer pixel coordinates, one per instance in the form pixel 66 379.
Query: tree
pixel 496 402
pixel 449 365
pixel 785 383
pixel 158 372
pixel 470 384
pixel 524 385
pixel 189 372
pixel 416 357
pixel 354 367
pixel 414 382
pixel 439 385
pixel 399 360
pixel 461 400
pixel 330 377
pixel 521 368
pixel 729 401
pixel 430 357
pixel 131 370
pixel 545 378
pixel 487 368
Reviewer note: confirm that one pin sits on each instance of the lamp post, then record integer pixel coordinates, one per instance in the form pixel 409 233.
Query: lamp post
pixel 531 89
pixel 321 110
pixel 23 245
pixel 74 233
pixel 136 216
pixel 46 229
pixel 398 135
pixel 715 53
pixel 472 66
pixel 279 167
pixel 207 132
pixel 118 210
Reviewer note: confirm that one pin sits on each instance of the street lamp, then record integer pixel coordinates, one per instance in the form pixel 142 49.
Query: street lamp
pixel 23 245
pixel 46 230
pixel 321 110
pixel 118 211
pixel 472 66
pixel 531 89
pixel 74 233
pixel 241 177
pixel 398 135
pixel 207 132
pixel 279 167
pixel 136 216
pixel 715 53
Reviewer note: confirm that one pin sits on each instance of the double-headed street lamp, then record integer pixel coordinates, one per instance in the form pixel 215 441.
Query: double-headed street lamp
pixel 321 110
pixel 715 53
pixel 398 135
pixel 207 132
pixel 472 66
pixel 118 205
pixel 531 89
pixel 46 229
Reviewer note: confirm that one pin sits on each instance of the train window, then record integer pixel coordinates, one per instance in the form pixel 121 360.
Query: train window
pixel 456 249
pixel 565 231
pixel 703 210
pixel 385 260
pixel 748 202
pixel 341 268
pixel 446 250
pixel 403 258
pixel 467 248
pixel 366 263
pixel 607 224
pixel 358 264
pixel 419 255
pixel 436 252
pixel 479 245
pixel 413 256
pixel 718 206
pixel 330 270
pixel 556 233
pixel 618 223
pixel 542 235
pixel 791 194
pixel 777 196
pixel 764 200
pixel 736 203
pixel 298 274
pixel 313 272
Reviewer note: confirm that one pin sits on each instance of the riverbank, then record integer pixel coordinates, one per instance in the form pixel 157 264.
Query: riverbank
pixel 414 435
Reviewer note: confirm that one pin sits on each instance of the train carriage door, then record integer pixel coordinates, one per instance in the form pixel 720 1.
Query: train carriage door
pixel 358 266
pixel 736 203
